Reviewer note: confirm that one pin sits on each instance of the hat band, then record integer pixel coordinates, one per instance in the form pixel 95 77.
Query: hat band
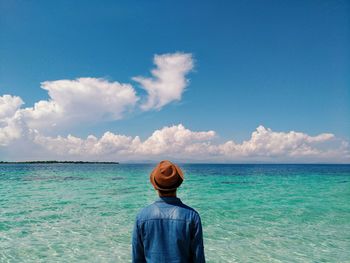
pixel 172 187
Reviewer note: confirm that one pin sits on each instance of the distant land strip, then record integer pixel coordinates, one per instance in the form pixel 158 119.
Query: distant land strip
pixel 49 162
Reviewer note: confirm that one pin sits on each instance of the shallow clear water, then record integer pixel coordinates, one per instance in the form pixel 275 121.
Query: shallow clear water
pixel 250 213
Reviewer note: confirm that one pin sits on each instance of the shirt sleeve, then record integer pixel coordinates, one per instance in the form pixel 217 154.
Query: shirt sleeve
pixel 138 255
pixel 197 247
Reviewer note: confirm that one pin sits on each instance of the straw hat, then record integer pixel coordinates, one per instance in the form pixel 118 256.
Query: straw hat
pixel 166 176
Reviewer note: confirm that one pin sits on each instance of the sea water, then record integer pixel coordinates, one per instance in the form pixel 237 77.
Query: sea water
pixel 250 213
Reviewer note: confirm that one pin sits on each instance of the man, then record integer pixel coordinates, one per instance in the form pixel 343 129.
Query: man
pixel 167 231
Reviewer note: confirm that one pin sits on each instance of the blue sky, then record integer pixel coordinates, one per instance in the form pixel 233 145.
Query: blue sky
pixel 281 64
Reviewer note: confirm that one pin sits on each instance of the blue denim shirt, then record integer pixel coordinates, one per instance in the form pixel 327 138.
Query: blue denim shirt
pixel 168 231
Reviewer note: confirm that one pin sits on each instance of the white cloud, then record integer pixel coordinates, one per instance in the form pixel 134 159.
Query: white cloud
pixel 168 82
pixel 108 144
pixel 267 143
pixel 168 140
pixel 10 122
pixel 179 143
pixel 172 140
pixel 81 100
pixel 9 105
pixel 11 130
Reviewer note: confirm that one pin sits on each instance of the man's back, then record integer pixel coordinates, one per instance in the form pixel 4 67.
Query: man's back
pixel 168 231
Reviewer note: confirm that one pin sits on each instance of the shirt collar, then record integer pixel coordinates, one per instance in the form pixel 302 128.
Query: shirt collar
pixel 168 199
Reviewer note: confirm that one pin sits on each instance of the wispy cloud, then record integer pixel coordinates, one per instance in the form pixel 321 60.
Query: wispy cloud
pixel 168 81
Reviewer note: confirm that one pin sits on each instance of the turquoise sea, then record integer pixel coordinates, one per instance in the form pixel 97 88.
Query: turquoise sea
pixel 250 213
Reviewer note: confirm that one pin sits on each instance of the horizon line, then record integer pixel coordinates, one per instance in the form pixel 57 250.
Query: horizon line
pixel 179 162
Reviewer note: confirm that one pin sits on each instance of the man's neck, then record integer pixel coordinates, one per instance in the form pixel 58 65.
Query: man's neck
pixel 167 194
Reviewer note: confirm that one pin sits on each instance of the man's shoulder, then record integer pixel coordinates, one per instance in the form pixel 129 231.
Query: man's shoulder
pixel 143 212
pixel 189 209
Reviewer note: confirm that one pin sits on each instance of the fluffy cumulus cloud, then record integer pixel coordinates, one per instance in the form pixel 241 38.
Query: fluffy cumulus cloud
pixel 265 142
pixel 168 81
pixel 10 121
pixel 168 140
pixel 182 144
pixel 172 140
pixel 80 100
pixel 9 105
pixel 70 103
